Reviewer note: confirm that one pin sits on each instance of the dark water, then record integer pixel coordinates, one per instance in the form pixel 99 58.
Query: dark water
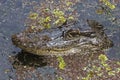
pixel 12 17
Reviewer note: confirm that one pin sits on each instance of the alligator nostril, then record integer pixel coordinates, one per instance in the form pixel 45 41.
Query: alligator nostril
pixel 14 39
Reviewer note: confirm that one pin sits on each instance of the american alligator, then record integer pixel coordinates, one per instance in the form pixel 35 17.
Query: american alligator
pixel 63 40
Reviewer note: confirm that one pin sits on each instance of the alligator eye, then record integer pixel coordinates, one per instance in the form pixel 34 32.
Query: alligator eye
pixel 72 33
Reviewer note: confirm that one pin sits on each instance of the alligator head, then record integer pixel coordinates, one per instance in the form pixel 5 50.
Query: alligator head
pixel 63 41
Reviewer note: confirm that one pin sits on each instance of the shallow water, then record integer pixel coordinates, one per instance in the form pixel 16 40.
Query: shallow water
pixel 12 17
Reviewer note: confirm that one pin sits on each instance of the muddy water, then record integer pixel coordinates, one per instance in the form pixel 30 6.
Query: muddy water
pixel 12 16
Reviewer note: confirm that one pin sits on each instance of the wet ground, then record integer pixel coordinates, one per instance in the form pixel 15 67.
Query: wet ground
pixel 17 65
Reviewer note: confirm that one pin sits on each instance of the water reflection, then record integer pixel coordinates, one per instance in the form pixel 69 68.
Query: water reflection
pixel 28 59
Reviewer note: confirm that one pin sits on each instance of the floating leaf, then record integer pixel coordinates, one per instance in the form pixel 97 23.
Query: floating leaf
pixel 56 22
pixel 117 70
pixel 58 13
pixel 60 20
pixel 100 74
pixel 107 3
pixel 59 78
pixel 47 9
pixel 103 57
pixel 47 19
pixel 108 68
pixel 32 27
pixel 62 64
pixel 33 15
pixel 46 25
pixel 69 3
pixel 84 78
pixel 118 63
pixel 70 18
pixel 99 11
pixel 111 73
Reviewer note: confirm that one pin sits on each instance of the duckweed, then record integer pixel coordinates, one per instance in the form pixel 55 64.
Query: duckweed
pixel 33 15
pixel 54 15
pixel 102 68
pixel 107 3
pixel 62 64
pixel 59 78
pixel 103 57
